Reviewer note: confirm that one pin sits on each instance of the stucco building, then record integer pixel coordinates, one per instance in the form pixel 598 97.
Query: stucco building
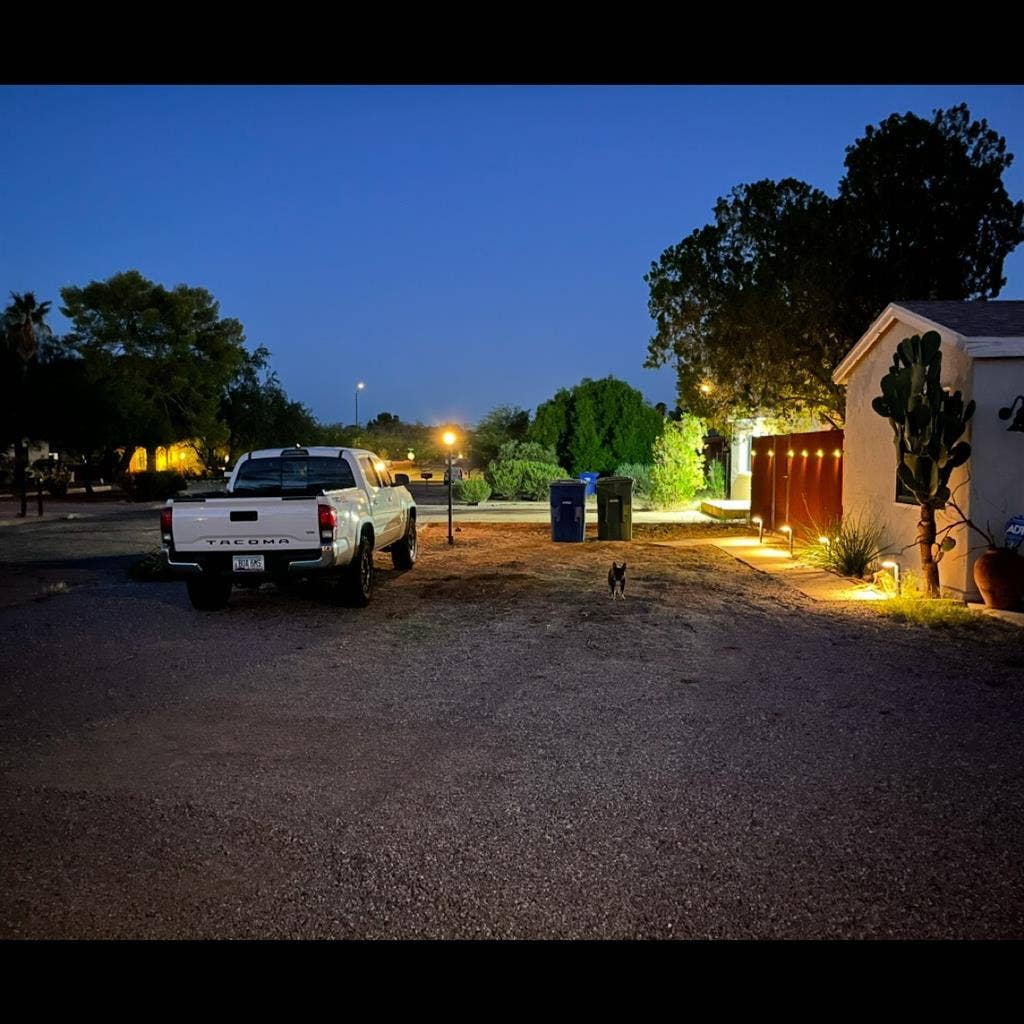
pixel 982 356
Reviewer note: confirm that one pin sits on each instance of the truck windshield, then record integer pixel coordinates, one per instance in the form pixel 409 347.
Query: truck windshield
pixel 310 475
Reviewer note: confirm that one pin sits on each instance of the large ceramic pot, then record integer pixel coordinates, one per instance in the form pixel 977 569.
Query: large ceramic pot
pixel 999 575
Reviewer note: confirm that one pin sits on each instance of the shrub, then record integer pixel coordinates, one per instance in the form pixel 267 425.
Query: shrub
pixel 55 476
pixel 677 472
pixel 523 478
pixel 149 567
pixel 641 476
pixel 472 491
pixel 853 544
pixel 156 486
pixel 714 479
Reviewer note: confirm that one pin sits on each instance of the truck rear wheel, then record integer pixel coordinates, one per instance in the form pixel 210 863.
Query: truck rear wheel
pixel 403 552
pixel 358 583
pixel 208 595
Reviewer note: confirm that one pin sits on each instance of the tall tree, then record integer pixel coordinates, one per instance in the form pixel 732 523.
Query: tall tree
pixel 258 414
pixel 167 353
pixel 757 308
pixel 24 329
pixel 502 424
pixel 597 425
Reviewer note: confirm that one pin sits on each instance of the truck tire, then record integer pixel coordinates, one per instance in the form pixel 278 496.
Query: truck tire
pixel 357 585
pixel 208 595
pixel 403 552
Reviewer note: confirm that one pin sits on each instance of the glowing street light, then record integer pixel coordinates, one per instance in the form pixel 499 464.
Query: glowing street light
pixel 359 387
pixel 449 439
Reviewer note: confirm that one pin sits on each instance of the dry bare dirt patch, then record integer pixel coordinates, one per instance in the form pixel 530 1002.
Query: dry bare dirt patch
pixel 495 748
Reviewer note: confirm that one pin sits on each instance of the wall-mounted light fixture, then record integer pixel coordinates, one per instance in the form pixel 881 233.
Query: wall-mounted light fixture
pixel 1018 421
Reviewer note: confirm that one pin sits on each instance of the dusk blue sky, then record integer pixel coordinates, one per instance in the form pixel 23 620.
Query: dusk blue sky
pixel 454 247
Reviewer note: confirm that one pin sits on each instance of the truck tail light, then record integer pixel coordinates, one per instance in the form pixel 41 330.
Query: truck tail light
pixel 165 522
pixel 328 516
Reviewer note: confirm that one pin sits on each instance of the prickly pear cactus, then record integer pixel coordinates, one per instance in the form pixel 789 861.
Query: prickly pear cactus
pixel 927 423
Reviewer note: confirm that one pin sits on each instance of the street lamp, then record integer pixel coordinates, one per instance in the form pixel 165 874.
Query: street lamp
pixel 359 387
pixel 449 440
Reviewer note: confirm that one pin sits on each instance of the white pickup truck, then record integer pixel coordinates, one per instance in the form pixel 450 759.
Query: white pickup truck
pixel 289 514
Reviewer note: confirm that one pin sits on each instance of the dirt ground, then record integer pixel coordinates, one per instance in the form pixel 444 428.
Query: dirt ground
pixel 495 748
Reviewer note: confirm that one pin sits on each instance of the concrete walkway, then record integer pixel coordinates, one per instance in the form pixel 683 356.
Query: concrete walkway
pixel 766 557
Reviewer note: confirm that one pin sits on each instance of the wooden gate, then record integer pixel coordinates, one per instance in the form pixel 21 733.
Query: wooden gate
pixel 797 480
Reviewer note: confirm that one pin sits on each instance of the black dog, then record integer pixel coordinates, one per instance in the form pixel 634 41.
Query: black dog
pixel 617 578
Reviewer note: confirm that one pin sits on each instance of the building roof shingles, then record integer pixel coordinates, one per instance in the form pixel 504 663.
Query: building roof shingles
pixel 979 319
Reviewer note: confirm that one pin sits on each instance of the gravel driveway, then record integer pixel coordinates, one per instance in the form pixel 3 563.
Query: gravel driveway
pixel 494 748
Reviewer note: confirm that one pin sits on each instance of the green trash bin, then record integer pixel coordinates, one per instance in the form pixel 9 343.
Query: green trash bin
pixel 615 508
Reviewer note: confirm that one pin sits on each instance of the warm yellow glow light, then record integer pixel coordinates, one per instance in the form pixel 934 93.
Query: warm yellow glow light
pixel 786 529
pixel 756 520
pixel 410 455
pixel 791 453
pixel 448 438
pixel 890 565
pixel 705 388
pixel 771 452
pixel 379 466
pixel 837 453
pixel 820 453
pixel 804 453
pixel 824 540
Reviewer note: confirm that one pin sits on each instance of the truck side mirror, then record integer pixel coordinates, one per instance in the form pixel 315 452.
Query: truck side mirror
pixel 401 480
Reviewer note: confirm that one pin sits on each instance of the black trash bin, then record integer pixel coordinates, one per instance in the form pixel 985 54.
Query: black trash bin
pixel 615 508
pixel 568 510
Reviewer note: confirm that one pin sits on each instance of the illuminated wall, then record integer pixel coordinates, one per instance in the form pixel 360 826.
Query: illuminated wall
pixel 181 458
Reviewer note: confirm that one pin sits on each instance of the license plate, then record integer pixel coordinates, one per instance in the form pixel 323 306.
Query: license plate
pixel 247 563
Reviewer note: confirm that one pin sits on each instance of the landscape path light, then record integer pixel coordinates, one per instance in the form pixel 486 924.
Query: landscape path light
pixel 894 567
pixel 759 523
pixel 788 530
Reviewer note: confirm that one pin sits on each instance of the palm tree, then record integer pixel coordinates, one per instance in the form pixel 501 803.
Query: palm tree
pixel 24 325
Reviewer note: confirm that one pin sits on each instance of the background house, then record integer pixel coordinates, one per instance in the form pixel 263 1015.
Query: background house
pixel 982 356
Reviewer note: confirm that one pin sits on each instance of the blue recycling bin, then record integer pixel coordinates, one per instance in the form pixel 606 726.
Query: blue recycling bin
pixel 568 510
pixel 590 479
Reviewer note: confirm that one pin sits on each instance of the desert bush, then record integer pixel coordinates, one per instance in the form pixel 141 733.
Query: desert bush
pixel 472 491
pixel 56 476
pixel 155 486
pixel 523 478
pixel 852 545
pixel 641 476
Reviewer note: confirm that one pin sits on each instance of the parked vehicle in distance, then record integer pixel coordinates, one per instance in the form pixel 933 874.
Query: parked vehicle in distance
pixel 291 514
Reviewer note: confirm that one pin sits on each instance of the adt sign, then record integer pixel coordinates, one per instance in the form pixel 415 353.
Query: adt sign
pixel 1015 531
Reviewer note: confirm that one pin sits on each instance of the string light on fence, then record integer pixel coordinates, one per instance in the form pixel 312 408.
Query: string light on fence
pixel 820 453
pixel 838 453
pixel 804 453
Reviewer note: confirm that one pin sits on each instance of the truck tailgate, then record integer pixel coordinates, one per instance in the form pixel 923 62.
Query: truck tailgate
pixel 239 524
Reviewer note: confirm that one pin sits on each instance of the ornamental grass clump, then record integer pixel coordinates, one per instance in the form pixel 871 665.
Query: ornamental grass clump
pixel 848 547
